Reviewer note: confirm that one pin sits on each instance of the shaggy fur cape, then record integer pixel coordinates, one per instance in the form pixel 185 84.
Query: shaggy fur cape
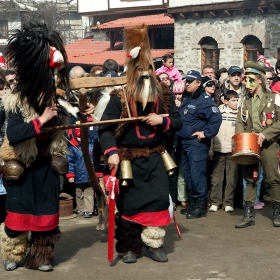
pixel 27 151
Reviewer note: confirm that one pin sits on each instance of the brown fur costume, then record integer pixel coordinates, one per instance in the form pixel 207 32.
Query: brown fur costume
pixel 128 238
pixel 42 248
pixel 142 86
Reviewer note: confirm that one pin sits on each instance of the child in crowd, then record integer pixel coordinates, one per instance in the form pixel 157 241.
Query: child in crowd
pixel 169 68
pixel 77 173
pixel 261 58
pixel 222 163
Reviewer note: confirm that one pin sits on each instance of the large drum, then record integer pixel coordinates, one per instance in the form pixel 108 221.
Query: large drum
pixel 245 149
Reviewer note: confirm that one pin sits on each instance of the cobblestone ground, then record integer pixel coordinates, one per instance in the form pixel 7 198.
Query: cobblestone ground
pixel 211 248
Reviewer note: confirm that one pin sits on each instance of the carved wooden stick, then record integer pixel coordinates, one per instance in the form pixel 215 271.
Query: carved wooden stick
pixel 85 144
pixel 100 192
pixel 93 82
pixel 87 124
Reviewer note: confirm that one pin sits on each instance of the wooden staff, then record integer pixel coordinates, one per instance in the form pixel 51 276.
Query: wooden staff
pixel 87 124
pixel 94 82
pixel 100 193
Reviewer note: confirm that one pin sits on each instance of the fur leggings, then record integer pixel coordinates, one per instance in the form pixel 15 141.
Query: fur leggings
pixel 130 237
pixel 15 246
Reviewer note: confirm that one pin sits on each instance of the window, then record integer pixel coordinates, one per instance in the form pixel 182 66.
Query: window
pixel 3 29
pixel 252 48
pixel 210 54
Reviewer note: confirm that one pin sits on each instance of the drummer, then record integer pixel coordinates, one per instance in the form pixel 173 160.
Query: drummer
pixel 260 113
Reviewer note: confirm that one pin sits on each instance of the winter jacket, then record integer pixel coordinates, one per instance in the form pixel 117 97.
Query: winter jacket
pixel 77 167
pixel 172 72
pixel 199 113
pixel 222 142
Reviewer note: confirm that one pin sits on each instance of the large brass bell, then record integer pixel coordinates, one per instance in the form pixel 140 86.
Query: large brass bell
pixel 12 170
pixel 168 162
pixel 125 172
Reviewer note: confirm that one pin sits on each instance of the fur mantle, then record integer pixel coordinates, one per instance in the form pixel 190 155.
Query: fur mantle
pixel 27 151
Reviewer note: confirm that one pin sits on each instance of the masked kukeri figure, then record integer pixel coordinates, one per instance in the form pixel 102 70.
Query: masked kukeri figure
pixel 144 199
pixel 39 57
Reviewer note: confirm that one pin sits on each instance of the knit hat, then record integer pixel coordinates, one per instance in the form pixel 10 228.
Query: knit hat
pixel 260 57
pixel 205 80
pixel 178 87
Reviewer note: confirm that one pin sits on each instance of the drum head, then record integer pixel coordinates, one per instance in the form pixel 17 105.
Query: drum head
pixel 245 158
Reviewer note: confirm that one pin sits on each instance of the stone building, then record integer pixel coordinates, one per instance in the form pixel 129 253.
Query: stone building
pixel 224 33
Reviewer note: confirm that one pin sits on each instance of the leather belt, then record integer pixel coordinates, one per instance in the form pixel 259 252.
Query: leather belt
pixel 43 152
pixel 132 153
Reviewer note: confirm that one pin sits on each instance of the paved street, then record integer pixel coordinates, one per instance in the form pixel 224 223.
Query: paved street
pixel 211 248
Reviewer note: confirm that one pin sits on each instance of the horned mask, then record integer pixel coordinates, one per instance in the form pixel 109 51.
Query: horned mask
pixel 142 85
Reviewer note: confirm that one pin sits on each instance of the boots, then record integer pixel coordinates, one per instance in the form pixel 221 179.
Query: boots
pixel 190 207
pixel 13 249
pixel 199 209
pixel 156 254
pixel 276 214
pixel 248 217
pixel 129 257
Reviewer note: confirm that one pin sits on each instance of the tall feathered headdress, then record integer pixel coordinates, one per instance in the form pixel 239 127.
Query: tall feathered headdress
pixel 37 53
pixel 139 61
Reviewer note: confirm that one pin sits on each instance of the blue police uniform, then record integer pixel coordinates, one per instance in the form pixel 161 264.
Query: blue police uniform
pixel 199 113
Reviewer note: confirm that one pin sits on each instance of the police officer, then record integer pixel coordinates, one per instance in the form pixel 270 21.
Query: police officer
pixel 201 122
pixel 260 113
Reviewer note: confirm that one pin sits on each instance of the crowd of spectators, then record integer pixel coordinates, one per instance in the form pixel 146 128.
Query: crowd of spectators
pixel 224 88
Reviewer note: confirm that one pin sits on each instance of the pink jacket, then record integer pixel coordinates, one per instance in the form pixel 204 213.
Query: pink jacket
pixel 172 72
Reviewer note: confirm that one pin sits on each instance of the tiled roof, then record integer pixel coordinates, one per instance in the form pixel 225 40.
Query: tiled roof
pixel 160 19
pixel 87 51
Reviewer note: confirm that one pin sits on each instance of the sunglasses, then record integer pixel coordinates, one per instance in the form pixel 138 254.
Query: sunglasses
pixel 269 79
pixel 165 79
pixel 210 84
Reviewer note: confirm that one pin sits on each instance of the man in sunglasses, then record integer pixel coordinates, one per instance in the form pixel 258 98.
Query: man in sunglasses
pixel 201 122
pixel 234 82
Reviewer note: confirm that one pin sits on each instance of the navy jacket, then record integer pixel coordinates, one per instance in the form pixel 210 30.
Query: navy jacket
pixel 199 113
pixel 77 168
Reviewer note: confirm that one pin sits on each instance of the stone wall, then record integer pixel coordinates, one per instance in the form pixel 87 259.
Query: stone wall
pixel 229 33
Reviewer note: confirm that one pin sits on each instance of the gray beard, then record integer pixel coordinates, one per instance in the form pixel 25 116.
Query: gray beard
pixel 145 93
